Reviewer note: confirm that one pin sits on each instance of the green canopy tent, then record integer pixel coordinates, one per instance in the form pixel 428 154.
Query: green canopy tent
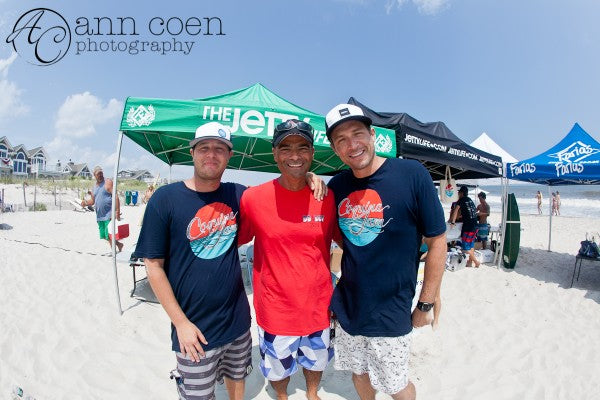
pixel 165 127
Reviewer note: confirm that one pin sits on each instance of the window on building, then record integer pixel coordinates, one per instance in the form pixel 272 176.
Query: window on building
pixel 3 151
pixel 20 164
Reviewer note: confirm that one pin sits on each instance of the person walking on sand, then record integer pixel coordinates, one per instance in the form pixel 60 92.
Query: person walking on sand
pixel 385 207
pixel 539 202
pixel 101 198
pixel 292 234
pixel 557 203
pixel 468 231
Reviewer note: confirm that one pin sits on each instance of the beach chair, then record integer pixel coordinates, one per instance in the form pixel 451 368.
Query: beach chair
pixel 247 260
pixel 128 256
pixel 76 203
pixel 335 264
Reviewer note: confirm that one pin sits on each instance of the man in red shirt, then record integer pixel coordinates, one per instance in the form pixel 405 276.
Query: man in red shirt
pixel 292 283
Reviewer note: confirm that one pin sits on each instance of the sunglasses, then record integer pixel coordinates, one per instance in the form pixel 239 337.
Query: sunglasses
pixel 294 124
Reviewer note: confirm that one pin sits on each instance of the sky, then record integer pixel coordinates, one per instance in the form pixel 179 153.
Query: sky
pixel 522 71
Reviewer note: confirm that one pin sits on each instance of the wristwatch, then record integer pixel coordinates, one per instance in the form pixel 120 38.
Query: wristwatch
pixel 425 307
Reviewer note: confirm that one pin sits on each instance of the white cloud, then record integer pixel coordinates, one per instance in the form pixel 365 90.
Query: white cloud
pixel 79 115
pixel 11 104
pixel 431 7
pixel 5 63
pixel 426 7
pixel 64 149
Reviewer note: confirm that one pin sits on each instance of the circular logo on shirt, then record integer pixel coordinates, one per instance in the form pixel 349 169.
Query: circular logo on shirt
pixel 212 230
pixel 361 216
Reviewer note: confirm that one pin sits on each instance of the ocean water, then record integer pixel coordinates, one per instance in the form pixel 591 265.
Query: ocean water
pixel 576 201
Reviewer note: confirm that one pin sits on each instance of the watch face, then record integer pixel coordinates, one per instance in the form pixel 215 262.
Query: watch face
pixel 425 307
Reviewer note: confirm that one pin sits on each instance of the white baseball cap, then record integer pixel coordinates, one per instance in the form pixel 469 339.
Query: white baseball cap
pixel 343 113
pixel 213 130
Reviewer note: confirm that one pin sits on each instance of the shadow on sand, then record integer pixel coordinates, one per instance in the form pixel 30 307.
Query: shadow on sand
pixel 548 266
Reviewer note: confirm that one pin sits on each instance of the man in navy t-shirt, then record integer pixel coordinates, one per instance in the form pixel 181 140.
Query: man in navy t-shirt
pixel 189 245
pixel 385 207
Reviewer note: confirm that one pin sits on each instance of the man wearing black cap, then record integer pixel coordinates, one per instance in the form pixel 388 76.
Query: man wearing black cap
pixel 468 232
pixel 291 279
pixel 385 207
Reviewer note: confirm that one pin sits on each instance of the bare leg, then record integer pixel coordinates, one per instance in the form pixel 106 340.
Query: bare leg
pixel 281 388
pixel 472 258
pixel 313 378
pixel 117 243
pixel 437 309
pixel 408 393
pixel 235 388
pixel 363 387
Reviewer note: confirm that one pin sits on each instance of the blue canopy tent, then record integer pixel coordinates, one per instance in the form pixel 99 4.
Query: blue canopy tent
pixel 575 160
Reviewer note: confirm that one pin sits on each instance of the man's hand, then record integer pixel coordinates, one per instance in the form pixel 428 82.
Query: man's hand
pixel 420 318
pixel 317 185
pixel 190 338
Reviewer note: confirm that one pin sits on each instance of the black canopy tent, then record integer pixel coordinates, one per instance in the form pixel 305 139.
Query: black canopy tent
pixel 435 146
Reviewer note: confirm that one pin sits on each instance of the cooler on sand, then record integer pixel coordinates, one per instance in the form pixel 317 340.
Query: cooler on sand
pixel 121 232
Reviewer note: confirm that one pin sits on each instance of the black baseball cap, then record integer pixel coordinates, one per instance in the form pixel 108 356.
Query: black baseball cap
pixel 293 127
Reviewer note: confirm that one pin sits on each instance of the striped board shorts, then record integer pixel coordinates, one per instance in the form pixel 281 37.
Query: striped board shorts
pixel 467 240
pixel 197 380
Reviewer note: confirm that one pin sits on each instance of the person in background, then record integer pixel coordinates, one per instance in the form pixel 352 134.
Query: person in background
pixel 468 231
pixel 149 192
pixel 483 211
pixel 557 203
pixel 538 196
pixel 554 204
pixel 101 198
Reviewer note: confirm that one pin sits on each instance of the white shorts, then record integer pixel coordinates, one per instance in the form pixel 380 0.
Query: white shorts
pixel 385 359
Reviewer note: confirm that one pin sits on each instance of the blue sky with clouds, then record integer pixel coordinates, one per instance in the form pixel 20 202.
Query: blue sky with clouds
pixel 522 71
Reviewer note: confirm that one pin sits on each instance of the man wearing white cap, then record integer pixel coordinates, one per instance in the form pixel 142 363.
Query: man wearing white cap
pixel 189 245
pixel 385 207
pixel 292 283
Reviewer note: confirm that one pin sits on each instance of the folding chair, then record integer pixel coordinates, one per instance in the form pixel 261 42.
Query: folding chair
pixel 246 261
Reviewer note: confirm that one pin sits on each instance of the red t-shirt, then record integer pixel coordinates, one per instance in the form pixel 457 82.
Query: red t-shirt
pixel 292 239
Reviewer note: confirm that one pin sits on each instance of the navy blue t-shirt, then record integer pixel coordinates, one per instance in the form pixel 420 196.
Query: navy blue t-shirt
pixel 196 234
pixel 382 218
pixel 468 212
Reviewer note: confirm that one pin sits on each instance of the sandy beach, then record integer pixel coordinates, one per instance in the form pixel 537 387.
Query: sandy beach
pixel 504 334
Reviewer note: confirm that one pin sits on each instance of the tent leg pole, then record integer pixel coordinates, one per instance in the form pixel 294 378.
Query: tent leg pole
pixel 504 218
pixel 115 193
pixel 550 223
pixel 504 199
pixel 170 167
